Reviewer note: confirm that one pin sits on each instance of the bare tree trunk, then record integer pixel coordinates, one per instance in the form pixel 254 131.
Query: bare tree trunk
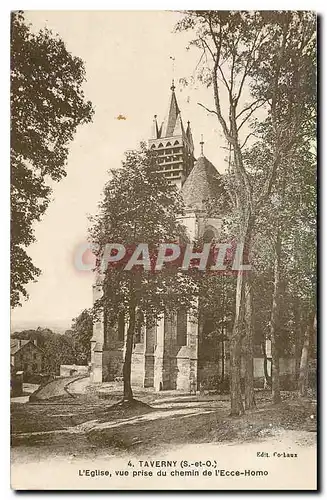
pixel 303 374
pixel 235 378
pixel 128 394
pixel 235 352
pixel 248 344
pixel 298 336
pixel 304 363
pixel 222 360
pixel 275 384
pixel 265 366
pixel 237 407
pixel 223 311
pixel 200 347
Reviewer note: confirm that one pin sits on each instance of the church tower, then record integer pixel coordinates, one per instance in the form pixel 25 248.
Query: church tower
pixel 165 353
pixel 173 144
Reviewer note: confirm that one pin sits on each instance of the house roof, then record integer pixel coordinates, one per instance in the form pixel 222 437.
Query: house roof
pixel 17 344
pixel 203 183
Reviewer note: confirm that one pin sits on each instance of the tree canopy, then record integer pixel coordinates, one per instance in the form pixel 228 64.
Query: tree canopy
pixel 139 206
pixel 80 336
pixel 47 105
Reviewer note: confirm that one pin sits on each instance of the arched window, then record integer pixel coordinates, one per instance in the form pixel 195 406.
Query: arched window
pixel 138 338
pixel 182 327
pixel 153 146
pixel 160 145
pixel 121 326
pixel 168 144
pixel 209 234
pixel 176 143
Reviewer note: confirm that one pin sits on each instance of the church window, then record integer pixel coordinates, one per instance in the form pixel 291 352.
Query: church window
pixel 153 146
pixel 160 145
pixel 208 235
pixel 138 337
pixel 168 144
pixel 182 327
pixel 176 143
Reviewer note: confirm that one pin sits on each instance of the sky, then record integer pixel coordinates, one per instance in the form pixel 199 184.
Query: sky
pixel 128 64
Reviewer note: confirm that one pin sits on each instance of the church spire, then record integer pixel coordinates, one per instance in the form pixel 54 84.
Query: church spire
pixel 171 118
pixel 202 144
pixel 172 88
pixel 189 136
pixel 155 130
pixel 173 145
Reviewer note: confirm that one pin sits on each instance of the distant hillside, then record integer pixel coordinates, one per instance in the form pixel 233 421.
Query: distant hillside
pixel 56 327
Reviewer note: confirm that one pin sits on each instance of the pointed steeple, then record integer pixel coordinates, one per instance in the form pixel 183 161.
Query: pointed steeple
pixel 173 111
pixel 155 132
pixel 154 128
pixel 202 144
pixel 179 128
pixel 160 130
pixel 189 135
pixel 173 146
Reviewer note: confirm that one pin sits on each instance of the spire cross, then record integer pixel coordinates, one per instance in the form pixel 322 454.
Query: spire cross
pixel 173 73
pixel 201 144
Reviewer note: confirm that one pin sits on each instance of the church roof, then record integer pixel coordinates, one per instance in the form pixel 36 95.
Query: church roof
pixel 203 183
pixel 179 128
pixel 171 118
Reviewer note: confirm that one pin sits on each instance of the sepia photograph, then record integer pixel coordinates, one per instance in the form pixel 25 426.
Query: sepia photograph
pixel 163 247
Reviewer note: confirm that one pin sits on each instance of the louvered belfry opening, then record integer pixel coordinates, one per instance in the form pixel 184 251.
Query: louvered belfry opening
pixel 173 144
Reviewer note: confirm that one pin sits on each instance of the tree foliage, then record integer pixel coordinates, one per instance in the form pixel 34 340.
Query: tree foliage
pixel 47 105
pixel 139 206
pixel 261 67
pixel 80 336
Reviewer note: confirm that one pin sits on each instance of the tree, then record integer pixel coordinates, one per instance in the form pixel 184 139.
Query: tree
pixel 215 323
pixel 229 42
pixel 80 335
pixel 139 206
pixel 250 61
pixel 47 105
pixel 289 138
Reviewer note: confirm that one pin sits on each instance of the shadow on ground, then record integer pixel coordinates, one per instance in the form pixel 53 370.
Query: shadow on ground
pixel 89 424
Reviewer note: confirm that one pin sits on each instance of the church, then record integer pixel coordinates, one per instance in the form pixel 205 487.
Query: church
pixel 166 356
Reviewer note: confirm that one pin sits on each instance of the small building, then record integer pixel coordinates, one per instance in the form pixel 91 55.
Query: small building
pixel 26 356
pixel 70 370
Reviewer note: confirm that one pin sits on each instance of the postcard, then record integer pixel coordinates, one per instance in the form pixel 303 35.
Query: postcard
pixel 163 250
